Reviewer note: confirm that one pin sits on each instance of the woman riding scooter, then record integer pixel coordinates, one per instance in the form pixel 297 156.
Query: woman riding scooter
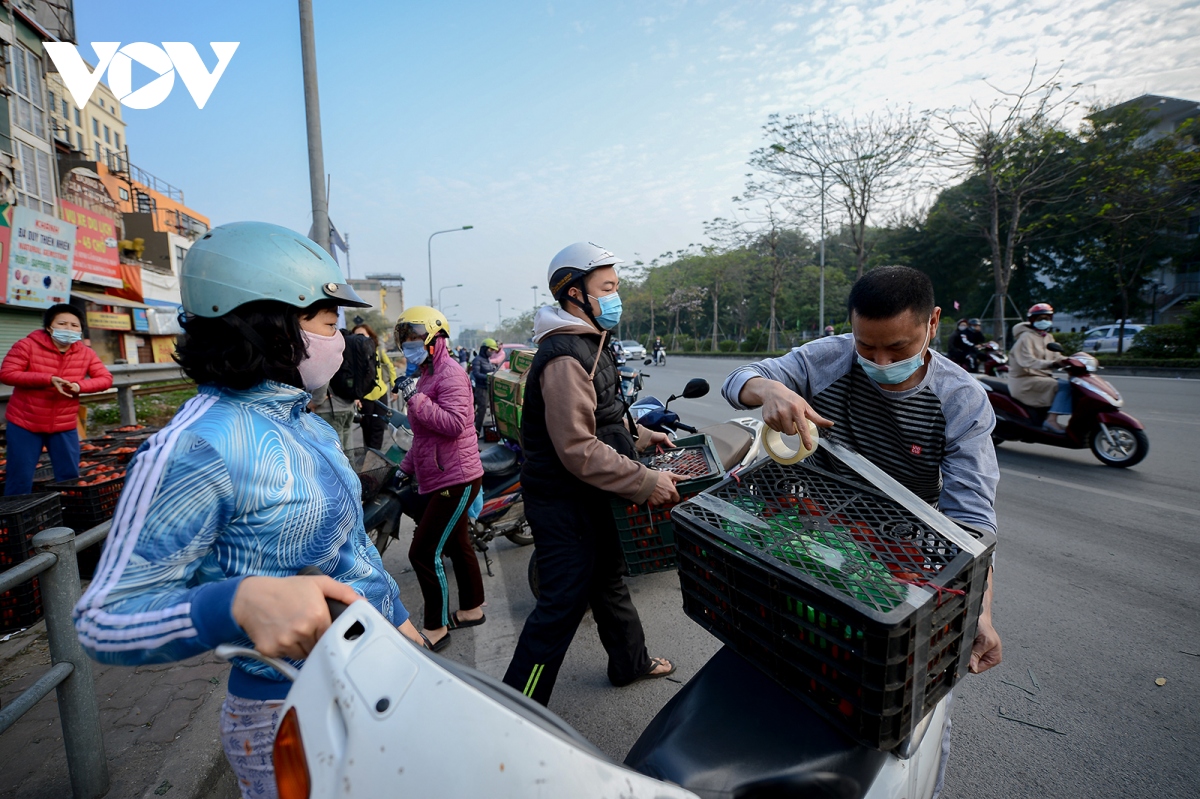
pixel 1030 381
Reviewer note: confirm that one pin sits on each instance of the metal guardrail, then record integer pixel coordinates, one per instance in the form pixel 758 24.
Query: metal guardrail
pixel 71 671
pixel 126 376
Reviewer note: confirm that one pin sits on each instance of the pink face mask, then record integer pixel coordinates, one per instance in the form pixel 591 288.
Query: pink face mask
pixel 323 361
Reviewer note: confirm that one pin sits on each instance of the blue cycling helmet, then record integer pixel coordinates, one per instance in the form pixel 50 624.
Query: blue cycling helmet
pixel 241 262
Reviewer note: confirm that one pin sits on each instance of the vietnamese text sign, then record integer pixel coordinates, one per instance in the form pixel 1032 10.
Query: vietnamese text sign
pixel 104 320
pixel 40 256
pixel 96 257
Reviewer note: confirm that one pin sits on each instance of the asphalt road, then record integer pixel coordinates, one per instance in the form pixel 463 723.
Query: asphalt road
pixel 1097 596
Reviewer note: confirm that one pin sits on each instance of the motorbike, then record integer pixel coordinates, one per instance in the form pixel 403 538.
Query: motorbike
pixel 660 357
pixel 631 378
pixel 991 359
pixel 503 509
pixel 1097 419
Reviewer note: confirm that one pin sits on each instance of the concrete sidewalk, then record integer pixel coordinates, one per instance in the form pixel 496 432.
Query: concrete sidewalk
pixel 159 724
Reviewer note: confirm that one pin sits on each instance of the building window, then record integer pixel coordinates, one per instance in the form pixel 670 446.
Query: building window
pixel 117 139
pixel 78 119
pixel 79 140
pixel 99 157
pixel 95 127
pixel 180 252
pixel 33 180
pixel 27 82
pixel 66 109
pixel 107 139
pixel 50 101
pixel 124 193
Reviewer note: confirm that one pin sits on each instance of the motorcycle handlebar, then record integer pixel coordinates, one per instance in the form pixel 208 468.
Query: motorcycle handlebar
pixel 686 427
pixel 336 608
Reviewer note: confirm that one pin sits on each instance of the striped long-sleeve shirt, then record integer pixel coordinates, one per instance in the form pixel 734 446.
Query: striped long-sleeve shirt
pixel 934 438
pixel 239 483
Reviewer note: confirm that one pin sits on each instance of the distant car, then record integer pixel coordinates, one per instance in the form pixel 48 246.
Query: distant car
pixel 1104 339
pixel 632 349
pixel 500 356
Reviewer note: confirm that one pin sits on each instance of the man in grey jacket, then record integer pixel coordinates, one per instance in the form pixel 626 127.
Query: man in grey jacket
pixel 911 411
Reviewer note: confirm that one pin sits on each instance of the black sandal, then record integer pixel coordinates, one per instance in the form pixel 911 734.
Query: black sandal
pixel 455 624
pixel 439 644
pixel 650 674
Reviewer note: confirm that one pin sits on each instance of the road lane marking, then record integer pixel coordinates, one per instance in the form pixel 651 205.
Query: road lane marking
pixel 1103 492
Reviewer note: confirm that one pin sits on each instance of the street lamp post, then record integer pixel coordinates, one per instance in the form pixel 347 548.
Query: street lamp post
pixel 499 321
pixel 443 288
pixel 429 253
pixel 535 293
pixel 312 117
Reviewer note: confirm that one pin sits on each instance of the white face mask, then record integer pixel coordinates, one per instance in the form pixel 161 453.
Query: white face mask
pixel 323 361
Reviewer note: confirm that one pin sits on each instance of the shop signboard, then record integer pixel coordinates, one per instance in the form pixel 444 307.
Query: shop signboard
pixel 105 320
pixel 41 255
pixel 141 322
pixel 96 258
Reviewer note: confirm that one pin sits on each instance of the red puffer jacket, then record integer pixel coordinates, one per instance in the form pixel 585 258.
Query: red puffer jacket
pixel 36 404
pixel 445 451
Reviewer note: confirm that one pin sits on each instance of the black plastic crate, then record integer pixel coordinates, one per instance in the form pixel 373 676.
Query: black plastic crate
pixel 21 606
pixel 647 534
pixel 86 503
pixel 22 517
pixel 848 600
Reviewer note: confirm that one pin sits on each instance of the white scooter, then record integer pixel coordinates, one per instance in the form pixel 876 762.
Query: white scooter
pixel 373 715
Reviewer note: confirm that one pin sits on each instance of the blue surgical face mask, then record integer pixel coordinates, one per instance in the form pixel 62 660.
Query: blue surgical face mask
pixel 610 310
pixel 896 372
pixel 63 336
pixel 415 353
pixel 1043 324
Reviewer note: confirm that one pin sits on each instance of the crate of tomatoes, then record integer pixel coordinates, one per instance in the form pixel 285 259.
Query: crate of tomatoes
pixel 92 498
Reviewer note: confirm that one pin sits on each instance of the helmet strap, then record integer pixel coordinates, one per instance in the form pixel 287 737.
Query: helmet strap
pixel 250 333
pixel 586 306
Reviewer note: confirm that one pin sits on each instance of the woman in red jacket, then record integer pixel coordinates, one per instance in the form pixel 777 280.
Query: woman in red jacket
pixel 49 368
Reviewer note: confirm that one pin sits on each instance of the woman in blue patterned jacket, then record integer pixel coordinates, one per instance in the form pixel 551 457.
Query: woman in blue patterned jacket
pixel 242 490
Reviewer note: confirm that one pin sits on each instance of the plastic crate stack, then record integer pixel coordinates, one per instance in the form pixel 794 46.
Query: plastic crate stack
pixel 91 498
pixel 836 591
pixel 22 517
pixel 648 534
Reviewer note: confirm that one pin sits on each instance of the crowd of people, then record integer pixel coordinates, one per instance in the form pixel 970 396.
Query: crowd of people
pixel 249 483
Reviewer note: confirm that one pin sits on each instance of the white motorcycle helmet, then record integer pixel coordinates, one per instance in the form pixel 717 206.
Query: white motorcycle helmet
pixel 575 262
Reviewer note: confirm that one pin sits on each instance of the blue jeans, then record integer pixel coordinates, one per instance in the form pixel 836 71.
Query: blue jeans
pixel 24 449
pixel 1062 400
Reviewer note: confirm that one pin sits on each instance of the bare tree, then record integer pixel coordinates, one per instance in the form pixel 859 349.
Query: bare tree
pixel 766 209
pixel 865 163
pixel 1014 147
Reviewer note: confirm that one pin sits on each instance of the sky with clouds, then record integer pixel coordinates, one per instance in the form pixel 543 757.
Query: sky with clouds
pixel 627 124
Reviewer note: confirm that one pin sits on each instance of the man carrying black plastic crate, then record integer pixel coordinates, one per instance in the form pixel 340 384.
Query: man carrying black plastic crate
pixel 911 411
pixel 580 452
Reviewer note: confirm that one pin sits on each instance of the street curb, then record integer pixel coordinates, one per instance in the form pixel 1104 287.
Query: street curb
pixel 1151 371
pixel 196 767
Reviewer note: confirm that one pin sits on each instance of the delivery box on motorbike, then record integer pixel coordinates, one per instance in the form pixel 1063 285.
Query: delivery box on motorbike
pixel 519 361
pixel 857 605
pixel 507 389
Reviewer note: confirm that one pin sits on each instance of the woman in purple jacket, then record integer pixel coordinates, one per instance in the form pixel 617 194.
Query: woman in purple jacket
pixel 445 460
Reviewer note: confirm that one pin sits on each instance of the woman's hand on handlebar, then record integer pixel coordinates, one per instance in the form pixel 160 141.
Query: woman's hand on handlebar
pixel 782 409
pixel 285 616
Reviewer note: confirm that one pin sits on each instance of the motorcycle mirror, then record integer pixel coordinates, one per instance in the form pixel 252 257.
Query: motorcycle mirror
pixel 1054 347
pixel 696 387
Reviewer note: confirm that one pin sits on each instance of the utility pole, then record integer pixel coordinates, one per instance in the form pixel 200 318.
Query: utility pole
pixel 312 113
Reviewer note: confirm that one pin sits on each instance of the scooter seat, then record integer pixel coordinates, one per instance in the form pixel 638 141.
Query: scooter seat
pixel 732 731
pixel 999 386
pixel 498 461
